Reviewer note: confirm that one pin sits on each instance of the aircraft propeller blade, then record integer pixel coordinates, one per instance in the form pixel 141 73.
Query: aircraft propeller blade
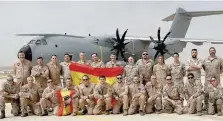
pixel 117 53
pixel 151 38
pixel 166 37
pixel 122 55
pixel 156 55
pixel 158 34
pixel 123 36
pixel 167 52
pixel 117 35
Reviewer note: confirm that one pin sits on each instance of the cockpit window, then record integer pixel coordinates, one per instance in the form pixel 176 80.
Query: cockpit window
pixel 32 42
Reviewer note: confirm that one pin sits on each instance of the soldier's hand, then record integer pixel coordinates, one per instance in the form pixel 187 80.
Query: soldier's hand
pixel 85 97
pixel 116 98
pixel 16 96
pixel 101 97
pixel 5 93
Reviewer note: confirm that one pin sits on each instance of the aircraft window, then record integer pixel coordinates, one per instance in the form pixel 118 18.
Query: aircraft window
pixel 38 42
pixel 32 42
pixel 44 42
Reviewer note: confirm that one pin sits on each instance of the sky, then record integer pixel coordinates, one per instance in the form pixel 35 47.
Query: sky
pixel 102 18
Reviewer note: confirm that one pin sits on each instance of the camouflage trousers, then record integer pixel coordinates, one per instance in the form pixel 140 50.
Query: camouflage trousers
pixel 14 103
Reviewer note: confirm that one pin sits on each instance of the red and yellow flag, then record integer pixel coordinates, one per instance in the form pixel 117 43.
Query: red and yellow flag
pixel 78 70
pixel 65 108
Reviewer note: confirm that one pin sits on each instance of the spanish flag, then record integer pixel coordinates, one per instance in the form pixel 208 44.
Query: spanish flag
pixel 63 96
pixel 78 70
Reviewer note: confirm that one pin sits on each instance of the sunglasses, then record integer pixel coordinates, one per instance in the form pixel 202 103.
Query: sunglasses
pixel 50 82
pixel 9 80
pixel 85 79
pixel 190 77
pixel 119 78
pixel 144 54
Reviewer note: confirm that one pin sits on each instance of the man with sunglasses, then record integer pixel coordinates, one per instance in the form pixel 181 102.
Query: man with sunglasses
pixel 215 94
pixel 144 68
pixel 177 70
pixel 9 93
pixel 161 70
pixel 103 95
pixel 86 96
pixel 194 95
pixel 120 93
pixel 154 93
pixel 41 73
pixel 173 97
pixel 130 71
pixel 22 69
pixel 49 98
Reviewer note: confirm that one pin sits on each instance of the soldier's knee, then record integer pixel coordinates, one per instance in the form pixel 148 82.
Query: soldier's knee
pixel 81 101
pixel 165 102
pixel 125 97
pixel 200 98
pixel 219 102
pixel 95 111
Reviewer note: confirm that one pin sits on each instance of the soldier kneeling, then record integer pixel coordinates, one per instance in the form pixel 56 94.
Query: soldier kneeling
pixel 214 91
pixel 194 95
pixel 9 94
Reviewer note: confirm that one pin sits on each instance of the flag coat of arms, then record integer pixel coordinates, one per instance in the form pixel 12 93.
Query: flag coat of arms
pixel 78 70
pixel 65 100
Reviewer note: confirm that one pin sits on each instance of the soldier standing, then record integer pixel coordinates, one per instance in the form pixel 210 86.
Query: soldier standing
pixel 86 96
pixel 161 70
pixel 194 65
pixel 95 62
pixel 41 73
pixel 137 94
pixel 83 59
pixel 9 94
pixel 49 98
pixel 22 69
pixel 173 97
pixel 194 95
pixel 30 95
pixel 144 68
pixel 55 70
pixel 120 93
pixel 65 68
pixel 214 90
pixel 178 71
pixel 130 71
pixel 154 92
pixel 113 62
pixel 213 66
pixel 103 95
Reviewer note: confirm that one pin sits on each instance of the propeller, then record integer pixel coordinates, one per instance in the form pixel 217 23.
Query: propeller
pixel 160 46
pixel 119 44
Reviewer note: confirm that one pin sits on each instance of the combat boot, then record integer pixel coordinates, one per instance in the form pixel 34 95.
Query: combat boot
pixel 73 114
pixel 141 113
pixel 199 113
pixel 24 114
pixel 2 114
pixel 45 113
pixel 219 112
pixel 125 113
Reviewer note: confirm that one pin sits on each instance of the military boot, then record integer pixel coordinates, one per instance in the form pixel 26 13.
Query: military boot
pixel 2 114
pixel 45 113
pixel 24 114
pixel 219 111
pixel 199 113
pixel 125 113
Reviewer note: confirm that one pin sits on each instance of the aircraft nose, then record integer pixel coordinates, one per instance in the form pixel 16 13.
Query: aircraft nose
pixel 28 52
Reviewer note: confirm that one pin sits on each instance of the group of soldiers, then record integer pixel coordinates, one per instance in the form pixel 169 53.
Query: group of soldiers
pixel 144 87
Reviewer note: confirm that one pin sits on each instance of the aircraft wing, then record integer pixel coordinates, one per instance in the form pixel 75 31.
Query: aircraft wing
pixel 147 39
pixel 50 35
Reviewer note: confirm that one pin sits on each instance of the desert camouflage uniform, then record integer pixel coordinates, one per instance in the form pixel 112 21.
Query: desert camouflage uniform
pixel 22 71
pixel 55 71
pixel 111 64
pixel 178 72
pixel 173 98
pixel 161 72
pixel 41 74
pixel 129 73
pixel 144 70
pixel 197 73
pixel 154 101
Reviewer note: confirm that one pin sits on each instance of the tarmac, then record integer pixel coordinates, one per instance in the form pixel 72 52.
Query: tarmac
pixel 112 117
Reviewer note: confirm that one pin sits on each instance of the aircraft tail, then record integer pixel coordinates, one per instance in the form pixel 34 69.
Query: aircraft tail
pixel 181 21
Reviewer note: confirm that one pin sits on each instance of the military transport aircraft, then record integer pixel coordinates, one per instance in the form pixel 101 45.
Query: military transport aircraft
pixel 46 45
